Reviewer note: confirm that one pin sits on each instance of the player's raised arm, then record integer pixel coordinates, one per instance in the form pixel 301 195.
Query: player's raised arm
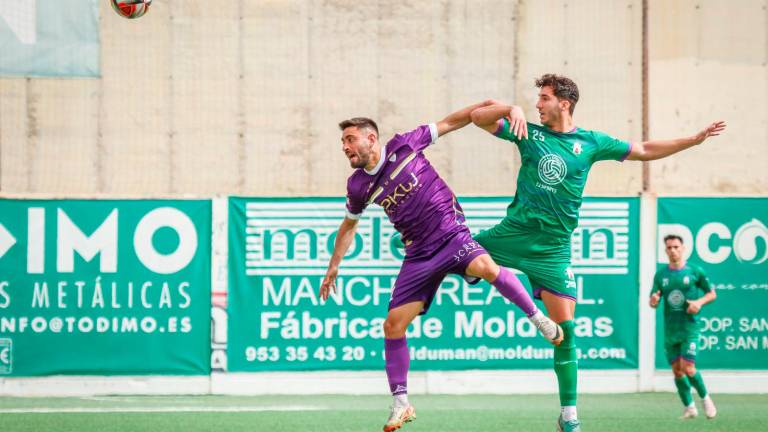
pixel 344 239
pixel 657 149
pixel 460 118
pixel 490 117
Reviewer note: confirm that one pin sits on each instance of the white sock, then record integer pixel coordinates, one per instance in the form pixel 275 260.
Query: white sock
pixel 536 317
pixel 568 412
pixel 401 399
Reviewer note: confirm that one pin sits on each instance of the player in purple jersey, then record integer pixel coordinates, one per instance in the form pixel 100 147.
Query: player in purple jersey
pixel 422 207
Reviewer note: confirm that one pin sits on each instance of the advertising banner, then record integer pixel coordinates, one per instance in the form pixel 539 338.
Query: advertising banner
pixel 728 239
pixel 279 249
pixel 105 287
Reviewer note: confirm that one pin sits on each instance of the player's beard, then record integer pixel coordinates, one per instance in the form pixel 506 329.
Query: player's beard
pixel 362 156
pixel 361 160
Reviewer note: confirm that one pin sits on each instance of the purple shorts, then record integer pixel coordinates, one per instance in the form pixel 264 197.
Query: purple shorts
pixel 420 277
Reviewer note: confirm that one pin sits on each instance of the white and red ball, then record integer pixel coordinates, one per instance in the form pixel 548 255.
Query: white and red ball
pixel 131 8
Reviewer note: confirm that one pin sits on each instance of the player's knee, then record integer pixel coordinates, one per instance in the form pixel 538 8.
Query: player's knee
pixel 485 268
pixel 677 372
pixel 394 328
pixel 690 369
pixel 569 334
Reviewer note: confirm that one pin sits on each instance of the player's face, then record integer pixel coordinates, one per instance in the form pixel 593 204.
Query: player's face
pixel 549 107
pixel 674 249
pixel 357 144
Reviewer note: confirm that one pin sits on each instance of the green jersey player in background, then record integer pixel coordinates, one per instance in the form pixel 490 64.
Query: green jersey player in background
pixel 685 289
pixel 535 236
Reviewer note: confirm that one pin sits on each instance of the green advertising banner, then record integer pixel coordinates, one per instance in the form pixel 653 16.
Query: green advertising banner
pixel 105 287
pixel 279 250
pixel 728 238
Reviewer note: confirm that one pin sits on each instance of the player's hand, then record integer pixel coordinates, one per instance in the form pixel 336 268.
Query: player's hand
pixel 713 129
pixel 329 283
pixel 694 306
pixel 654 300
pixel 517 124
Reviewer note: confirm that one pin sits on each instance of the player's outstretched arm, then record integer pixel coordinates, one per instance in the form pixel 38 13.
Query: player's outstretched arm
pixel 488 118
pixel 460 118
pixel 652 150
pixel 344 239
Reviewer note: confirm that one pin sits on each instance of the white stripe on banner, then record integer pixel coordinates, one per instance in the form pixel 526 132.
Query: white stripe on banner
pixel 604 213
pixel 600 270
pixel 336 213
pixel 294 205
pixel 603 222
pixel 303 222
pixel 605 205
pixel 348 271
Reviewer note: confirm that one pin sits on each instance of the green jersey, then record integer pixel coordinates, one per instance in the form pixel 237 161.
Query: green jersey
pixel 553 174
pixel 677 286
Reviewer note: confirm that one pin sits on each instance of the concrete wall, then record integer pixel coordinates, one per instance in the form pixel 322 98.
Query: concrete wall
pixel 709 61
pixel 244 98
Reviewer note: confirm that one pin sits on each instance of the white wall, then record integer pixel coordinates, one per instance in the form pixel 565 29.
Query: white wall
pixel 244 98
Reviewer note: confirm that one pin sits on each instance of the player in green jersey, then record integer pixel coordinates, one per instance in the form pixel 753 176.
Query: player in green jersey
pixel 681 285
pixel 535 235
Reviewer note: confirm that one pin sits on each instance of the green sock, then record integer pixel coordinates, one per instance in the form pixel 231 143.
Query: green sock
pixel 684 390
pixel 567 365
pixel 698 383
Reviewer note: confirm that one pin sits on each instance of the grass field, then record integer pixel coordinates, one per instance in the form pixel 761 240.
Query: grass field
pixel 486 413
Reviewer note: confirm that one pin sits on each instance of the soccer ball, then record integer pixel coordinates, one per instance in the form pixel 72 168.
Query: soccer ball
pixel 131 8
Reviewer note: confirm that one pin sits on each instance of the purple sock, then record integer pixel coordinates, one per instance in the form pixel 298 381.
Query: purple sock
pixel 513 290
pixel 398 359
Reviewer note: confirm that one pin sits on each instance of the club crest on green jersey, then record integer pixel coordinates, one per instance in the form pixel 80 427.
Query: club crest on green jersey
pixel 676 298
pixel 576 148
pixel 552 169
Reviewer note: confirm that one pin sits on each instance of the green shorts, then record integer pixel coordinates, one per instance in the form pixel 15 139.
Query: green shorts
pixel 684 346
pixel 544 258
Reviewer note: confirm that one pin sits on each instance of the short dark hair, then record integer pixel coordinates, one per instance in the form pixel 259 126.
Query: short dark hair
pixel 360 122
pixel 673 237
pixel 562 87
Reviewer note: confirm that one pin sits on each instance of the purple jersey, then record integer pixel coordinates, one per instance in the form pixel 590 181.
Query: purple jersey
pixel 417 201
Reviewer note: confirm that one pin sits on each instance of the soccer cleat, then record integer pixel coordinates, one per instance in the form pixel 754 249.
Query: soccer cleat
pixel 689 412
pixel 568 426
pixel 399 415
pixel 548 328
pixel 709 407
